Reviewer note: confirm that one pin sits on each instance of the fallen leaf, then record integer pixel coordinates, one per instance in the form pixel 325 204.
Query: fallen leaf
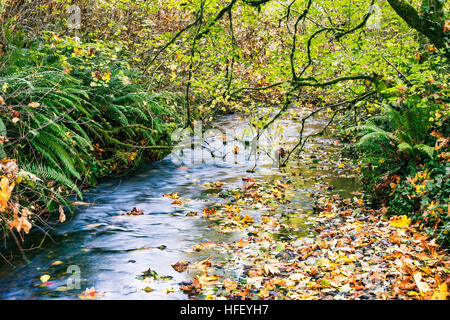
pixel 423 286
pixel 89 293
pixel 442 293
pixel 270 269
pixel 400 221
pixel 171 195
pixel 180 266
pixel 205 280
pixel 447 26
pixel 229 284
pixel 34 104
pixel 62 216
pixel 44 278
pixel 135 212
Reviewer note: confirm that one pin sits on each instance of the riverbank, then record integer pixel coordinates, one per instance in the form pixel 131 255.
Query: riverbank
pixel 355 253
pixel 71 114
pixel 336 247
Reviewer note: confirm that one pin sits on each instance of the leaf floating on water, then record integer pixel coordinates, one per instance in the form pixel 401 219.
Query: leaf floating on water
pixel 282 186
pixel 81 203
pixel 148 274
pixel 178 201
pixel 135 212
pixel 205 280
pixel 171 195
pixel 90 293
pixel 90 226
pixel 62 288
pixel 209 212
pixel 180 266
pixel 170 290
pixel 217 184
pixel 44 278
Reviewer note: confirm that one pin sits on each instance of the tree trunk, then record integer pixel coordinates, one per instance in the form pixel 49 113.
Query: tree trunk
pixel 430 25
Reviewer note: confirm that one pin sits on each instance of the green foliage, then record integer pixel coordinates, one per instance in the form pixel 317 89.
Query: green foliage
pixel 403 150
pixel 425 197
pixel 74 112
pixel 396 133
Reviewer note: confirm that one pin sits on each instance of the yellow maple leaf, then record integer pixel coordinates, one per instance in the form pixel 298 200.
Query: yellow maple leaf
pixel 44 278
pixel 205 280
pixel 248 219
pixel 442 293
pixel 400 221
pixel 106 76
pixel 5 192
pixel 171 195
pixel 263 293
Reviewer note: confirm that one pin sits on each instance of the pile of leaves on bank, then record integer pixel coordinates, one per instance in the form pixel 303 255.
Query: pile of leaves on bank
pixel 356 253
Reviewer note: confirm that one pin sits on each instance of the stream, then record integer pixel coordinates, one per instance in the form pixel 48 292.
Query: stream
pixel 109 248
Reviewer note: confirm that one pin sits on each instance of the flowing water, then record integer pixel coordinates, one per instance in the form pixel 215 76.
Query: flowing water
pixel 105 248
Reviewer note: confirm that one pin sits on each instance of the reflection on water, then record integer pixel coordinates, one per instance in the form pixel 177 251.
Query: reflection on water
pixel 111 249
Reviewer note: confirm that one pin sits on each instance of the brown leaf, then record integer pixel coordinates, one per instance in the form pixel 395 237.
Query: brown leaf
pixel 62 216
pixel 180 266
pixel 447 26
pixel 135 212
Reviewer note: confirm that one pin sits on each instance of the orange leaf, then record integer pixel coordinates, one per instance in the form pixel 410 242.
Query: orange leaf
pixel 5 192
pixel 180 266
pixel 229 284
pixel 447 26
